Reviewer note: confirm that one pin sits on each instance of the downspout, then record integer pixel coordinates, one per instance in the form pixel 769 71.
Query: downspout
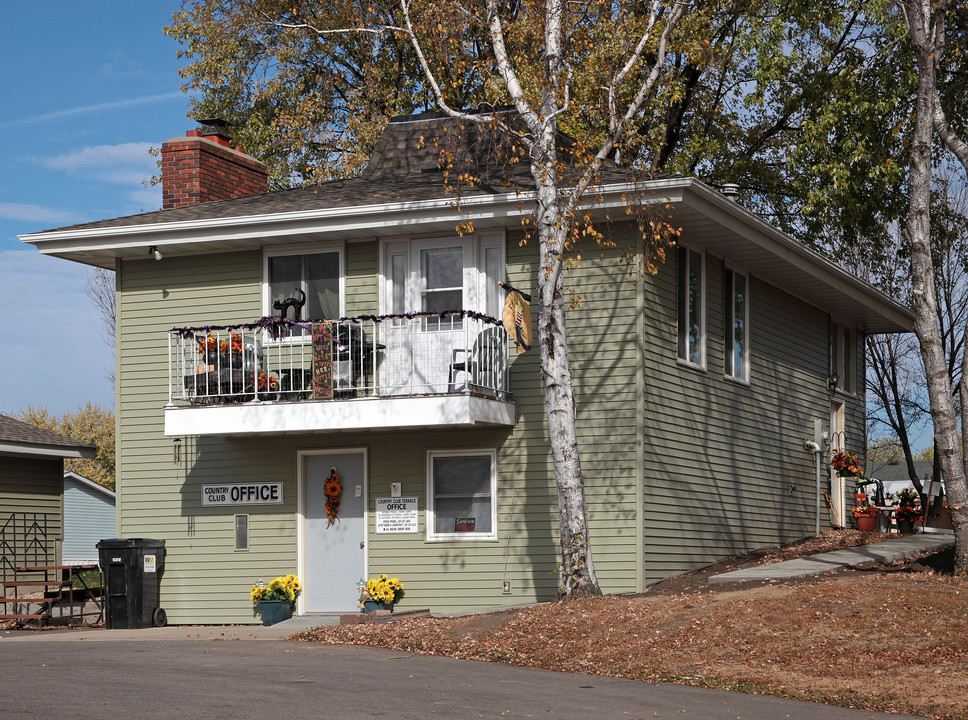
pixel 817 451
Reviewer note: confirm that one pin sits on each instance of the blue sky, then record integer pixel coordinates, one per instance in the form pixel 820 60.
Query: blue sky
pixel 87 88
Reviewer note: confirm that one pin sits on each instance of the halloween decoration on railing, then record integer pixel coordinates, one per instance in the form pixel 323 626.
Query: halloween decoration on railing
pixel 291 302
pixel 334 493
pixel 274 323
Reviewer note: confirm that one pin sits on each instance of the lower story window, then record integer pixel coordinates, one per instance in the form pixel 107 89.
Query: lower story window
pixel 461 487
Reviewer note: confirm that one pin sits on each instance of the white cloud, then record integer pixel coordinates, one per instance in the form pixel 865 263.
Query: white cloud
pixel 101 107
pixel 122 67
pixel 30 212
pixel 125 163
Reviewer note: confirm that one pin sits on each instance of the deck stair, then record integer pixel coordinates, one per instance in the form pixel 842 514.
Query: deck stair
pixel 54 596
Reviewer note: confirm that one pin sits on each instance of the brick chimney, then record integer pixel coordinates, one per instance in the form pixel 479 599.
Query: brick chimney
pixel 203 166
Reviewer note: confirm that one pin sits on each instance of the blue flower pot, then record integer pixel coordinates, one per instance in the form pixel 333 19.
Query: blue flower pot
pixel 371 605
pixel 275 611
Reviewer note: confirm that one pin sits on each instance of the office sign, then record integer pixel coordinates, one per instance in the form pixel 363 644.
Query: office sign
pixel 247 494
pixel 397 515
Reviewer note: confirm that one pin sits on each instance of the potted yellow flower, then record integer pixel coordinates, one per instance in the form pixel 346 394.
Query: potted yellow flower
pixel 380 593
pixel 277 599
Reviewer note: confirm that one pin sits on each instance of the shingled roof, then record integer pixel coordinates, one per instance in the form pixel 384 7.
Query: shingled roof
pixel 20 438
pixel 404 167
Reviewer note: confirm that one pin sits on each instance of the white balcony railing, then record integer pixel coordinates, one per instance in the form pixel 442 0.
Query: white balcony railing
pixel 418 354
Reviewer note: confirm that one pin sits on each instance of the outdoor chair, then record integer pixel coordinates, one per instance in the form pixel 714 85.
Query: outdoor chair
pixel 483 365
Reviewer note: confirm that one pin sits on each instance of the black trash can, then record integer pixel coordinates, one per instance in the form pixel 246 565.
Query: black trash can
pixel 132 582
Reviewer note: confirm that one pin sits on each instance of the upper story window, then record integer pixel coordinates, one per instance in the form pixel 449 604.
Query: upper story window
pixel 461 489
pixel 737 315
pixel 441 282
pixel 692 314
pixel 843 357
pixel 313 279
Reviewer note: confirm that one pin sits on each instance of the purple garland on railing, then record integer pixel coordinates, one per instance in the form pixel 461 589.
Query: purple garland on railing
pixel 273 323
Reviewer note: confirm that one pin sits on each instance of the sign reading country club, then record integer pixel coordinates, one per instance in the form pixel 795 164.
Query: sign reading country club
pixel 246 494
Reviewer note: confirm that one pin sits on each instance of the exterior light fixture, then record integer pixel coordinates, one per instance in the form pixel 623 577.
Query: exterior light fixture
pixel 833 381
pixel 155 253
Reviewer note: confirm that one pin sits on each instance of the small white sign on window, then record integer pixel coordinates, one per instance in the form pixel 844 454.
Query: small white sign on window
pixel 397 515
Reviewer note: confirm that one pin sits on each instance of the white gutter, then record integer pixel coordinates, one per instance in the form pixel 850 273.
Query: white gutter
pixel 7 448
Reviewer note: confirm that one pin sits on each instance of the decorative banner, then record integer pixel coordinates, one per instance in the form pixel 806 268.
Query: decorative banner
pixel 517 320
pixel 322 360
pixel 333 490
pixel 397 515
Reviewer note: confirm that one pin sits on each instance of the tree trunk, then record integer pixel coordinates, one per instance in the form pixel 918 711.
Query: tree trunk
pixel 577 572
pixel 918 234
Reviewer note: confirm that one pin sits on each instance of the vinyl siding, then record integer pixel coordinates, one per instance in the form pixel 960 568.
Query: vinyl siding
pixel 154 496
pixel 726 469
pixel 32 486
pixel 89 516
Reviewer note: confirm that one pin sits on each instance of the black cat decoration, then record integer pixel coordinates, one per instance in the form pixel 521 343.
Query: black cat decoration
pixel 291 302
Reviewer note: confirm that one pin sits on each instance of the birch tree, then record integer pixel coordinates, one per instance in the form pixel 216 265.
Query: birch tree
pixel 926 24
pixel 558 203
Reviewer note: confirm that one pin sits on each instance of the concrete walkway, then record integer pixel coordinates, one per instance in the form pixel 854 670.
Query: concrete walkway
pixel 882 552
pixel 279 631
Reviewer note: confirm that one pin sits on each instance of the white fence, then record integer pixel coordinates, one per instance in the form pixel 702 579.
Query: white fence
pixel 418 354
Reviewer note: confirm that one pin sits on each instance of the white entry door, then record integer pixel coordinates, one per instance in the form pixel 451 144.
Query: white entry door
pixel 334 556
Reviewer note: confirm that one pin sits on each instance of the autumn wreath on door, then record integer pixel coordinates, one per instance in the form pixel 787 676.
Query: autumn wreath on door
pixel 334 493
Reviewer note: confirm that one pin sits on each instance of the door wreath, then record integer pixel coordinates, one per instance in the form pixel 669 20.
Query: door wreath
pixel 334 493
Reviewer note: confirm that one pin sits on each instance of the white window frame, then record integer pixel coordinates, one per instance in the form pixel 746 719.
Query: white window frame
pixel 475 294
pixel 729 349
pixel 431 521
pixel 313 249
pixel 682 333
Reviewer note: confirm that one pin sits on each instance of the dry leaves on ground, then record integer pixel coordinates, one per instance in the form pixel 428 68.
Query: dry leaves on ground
pixel 895 641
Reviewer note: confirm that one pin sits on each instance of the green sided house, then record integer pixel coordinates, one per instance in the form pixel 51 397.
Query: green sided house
pixel 390 379
pixel 32 494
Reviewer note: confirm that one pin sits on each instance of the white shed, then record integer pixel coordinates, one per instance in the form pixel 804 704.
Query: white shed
pixel 89 516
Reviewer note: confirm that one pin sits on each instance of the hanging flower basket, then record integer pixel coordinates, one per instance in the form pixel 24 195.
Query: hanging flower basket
pixel 847 464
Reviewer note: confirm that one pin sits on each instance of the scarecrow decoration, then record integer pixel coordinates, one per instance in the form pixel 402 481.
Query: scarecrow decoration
pixel 517 317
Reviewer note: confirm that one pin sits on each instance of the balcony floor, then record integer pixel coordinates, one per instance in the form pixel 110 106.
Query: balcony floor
pixel 461 410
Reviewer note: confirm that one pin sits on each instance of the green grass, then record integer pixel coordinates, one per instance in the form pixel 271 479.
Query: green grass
pixel 91 579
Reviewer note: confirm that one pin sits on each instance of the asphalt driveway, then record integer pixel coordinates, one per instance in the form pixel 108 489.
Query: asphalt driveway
pixel 219 673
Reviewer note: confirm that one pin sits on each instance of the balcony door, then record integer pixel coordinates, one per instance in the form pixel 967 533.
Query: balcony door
pixel 425 276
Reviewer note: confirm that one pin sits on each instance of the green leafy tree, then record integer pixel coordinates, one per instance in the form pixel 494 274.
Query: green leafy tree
pixel 805 105
pixel 90 423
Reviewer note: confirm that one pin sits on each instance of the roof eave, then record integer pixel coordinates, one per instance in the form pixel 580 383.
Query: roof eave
pixel 96 245
pixel 17 449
